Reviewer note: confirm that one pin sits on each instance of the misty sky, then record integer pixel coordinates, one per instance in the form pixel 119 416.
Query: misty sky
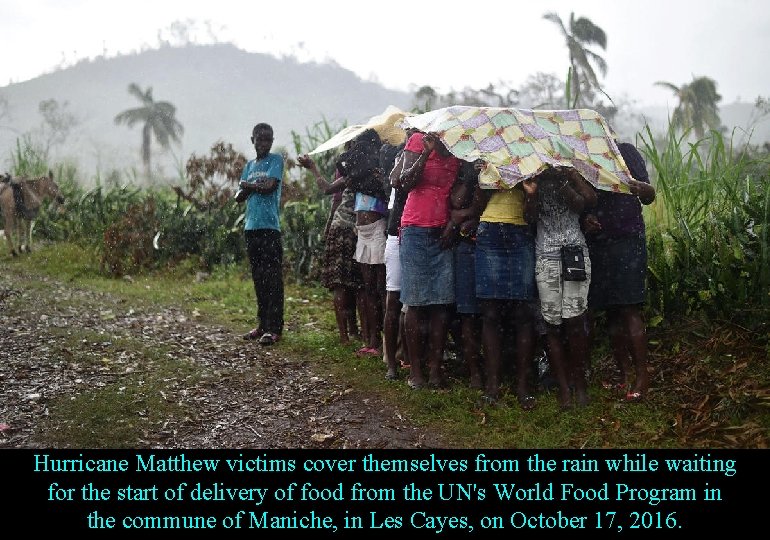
pixel 404 44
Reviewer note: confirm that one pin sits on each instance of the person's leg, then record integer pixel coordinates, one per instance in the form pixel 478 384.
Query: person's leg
pixel 549 287
pixel 341 313
pixel 413 325
pixel 574 316
pixel 616 329
pixel 351 323
pixel 491 331
pixel 390 331
pixel 361 311
pixel 637 345
pixel 437 336
pixel 404 349
pixel 471 347
pixel 525 350
pixel 578 354
pixel 272 283
pixel 255 248
pixel 371 314
pixel 558 363
pixel 379 282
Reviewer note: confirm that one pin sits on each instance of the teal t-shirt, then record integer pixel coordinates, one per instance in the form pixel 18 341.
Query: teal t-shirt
pixel 262 210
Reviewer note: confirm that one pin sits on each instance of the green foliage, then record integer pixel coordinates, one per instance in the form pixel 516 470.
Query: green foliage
pixel 28 158
pixel 214 237
pixel 303 226
pixel 306 209
pixel 708 230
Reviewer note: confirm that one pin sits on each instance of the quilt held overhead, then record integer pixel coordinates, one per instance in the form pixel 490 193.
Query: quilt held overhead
pixel 519 143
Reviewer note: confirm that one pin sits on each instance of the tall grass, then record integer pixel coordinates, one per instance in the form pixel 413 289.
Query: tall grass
pixel 707 232
pixel 28 159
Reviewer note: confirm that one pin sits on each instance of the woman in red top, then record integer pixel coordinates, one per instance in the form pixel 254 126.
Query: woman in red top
pixel 427 265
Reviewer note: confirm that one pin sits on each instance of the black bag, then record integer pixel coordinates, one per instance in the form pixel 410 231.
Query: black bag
pixel 573 265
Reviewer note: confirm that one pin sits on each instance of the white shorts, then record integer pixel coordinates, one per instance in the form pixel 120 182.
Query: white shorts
pixel 560 299
pixel 392 265
pixel 370 247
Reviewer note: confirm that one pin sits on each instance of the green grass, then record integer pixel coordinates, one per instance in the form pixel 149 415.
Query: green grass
pixel 226 298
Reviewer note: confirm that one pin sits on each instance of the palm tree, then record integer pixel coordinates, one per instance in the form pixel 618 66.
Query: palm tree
pixel 697 107
pixel 158 119
pixel 581 34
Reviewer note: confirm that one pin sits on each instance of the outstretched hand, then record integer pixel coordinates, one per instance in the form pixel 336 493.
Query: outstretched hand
pixel 306 162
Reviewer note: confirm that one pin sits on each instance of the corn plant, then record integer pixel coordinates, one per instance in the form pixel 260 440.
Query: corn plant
pixel 29 158
pixel 305 208
pixel 708 230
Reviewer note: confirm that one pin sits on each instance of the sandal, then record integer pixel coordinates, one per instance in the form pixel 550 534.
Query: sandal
pixel 527 403
pixel 269 338
pixel 620 387
pixel 368 351
pixel 253 334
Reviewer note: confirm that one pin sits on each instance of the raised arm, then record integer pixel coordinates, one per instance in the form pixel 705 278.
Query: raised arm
pixel 323 184
pixel 577 192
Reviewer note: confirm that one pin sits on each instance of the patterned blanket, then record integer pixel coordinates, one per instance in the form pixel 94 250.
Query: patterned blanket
pixel 387 124
pixel 519 143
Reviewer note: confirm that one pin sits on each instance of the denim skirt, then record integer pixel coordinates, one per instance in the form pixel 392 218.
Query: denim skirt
pixel 465 277
pixel 505 262
pixel 427 271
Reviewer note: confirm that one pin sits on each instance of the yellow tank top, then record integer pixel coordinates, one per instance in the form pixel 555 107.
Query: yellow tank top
pixel 506 206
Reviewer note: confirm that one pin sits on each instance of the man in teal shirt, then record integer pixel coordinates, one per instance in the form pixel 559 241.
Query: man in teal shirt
pixel 260 187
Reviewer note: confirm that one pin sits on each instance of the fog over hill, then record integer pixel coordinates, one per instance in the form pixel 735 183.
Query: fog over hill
pixel 220 92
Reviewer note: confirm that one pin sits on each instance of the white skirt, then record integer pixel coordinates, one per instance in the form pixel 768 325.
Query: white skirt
pixel 370 247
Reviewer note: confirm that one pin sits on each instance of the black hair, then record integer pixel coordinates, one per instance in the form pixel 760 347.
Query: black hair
pixel 262 126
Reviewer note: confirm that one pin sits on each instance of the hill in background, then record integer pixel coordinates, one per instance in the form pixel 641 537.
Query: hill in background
pixel 220 92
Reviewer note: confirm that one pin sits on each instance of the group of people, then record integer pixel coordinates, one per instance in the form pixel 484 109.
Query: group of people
pixel 414 246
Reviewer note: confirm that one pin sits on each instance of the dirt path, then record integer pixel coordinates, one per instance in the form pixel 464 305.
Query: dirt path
pixel 247 397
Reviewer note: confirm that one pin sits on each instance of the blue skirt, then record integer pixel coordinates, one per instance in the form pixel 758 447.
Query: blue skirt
pixel 505 262
pixel 427 271
pixel 465 277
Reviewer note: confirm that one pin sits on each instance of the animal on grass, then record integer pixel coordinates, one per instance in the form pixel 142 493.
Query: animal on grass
pixel 20 201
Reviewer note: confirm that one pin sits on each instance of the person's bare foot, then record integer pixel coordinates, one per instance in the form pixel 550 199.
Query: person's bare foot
pixel 415 384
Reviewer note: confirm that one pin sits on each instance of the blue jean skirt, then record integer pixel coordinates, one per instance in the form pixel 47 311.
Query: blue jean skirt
pixel 505 261
pixel 465 277
pixel 427 271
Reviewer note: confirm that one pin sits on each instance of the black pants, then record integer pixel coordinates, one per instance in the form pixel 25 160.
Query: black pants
pixel 265 251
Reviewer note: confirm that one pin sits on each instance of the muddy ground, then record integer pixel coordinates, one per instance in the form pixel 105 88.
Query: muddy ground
pixel 248 396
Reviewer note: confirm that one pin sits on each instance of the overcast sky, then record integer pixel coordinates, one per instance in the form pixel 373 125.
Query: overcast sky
pixel 403 44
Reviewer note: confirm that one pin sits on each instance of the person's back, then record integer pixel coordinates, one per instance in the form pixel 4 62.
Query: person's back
pixel 618 247
pixel 427 262
pixel 555 199
pixel 361 166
